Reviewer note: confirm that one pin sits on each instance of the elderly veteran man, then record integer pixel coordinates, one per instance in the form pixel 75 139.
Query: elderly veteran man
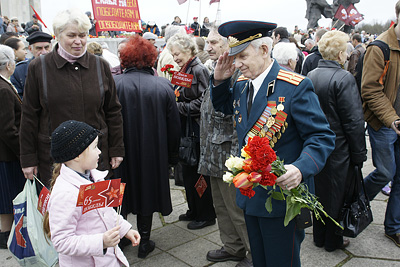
pixel 218 140
pixel 304 141
pixel 39 44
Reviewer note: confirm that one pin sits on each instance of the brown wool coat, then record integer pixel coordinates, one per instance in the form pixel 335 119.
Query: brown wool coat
pixel 10 117
pixel 73 92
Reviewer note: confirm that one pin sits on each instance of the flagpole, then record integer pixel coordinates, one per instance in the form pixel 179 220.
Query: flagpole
pixel 187 15
pixel 218 16
pixel 333 26
pixel 199 15
pixel 341 27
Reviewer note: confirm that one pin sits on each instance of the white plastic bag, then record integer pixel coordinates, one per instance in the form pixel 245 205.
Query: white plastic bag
pixel 27 241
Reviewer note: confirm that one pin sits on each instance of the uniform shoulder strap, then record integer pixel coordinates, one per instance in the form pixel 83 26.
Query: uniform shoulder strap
pixel 290 77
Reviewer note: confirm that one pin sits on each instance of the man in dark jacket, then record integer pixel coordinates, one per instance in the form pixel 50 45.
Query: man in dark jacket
pixel 311 61
pixel 281 34
pixel 39 44
pixel 92 30
pixel 33 25
pixel 195 26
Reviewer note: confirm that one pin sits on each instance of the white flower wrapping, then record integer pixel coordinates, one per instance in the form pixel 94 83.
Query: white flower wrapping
pixel 234 163
pixel 228 177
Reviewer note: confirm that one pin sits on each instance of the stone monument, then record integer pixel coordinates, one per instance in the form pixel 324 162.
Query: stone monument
pixel 316 8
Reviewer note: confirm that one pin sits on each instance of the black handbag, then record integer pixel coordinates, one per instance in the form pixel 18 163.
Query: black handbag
pixel 187 149
pixel 356 213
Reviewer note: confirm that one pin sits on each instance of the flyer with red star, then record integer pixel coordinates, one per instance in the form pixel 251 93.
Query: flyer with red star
pixel 99 195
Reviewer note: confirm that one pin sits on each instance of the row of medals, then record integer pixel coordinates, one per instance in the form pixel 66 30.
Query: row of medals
pixel 270 122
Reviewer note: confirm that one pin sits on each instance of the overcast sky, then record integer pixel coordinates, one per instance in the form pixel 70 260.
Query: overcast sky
pixel 286 13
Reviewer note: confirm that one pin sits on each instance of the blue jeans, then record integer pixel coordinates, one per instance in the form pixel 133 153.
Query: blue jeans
pixel 385 145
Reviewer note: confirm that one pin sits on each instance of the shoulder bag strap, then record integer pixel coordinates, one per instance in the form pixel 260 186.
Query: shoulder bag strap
pixel 99 76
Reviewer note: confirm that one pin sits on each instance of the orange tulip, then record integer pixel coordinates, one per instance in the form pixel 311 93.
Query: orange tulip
pixel 241 181
pixel 254 177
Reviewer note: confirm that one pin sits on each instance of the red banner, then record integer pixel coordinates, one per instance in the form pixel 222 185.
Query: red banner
pixel 354 17
pixel 182 79
pixel 99 195
pixel 341 14
pixel 116 15
pixel 214 1
pixel 349 15
pixel 44 197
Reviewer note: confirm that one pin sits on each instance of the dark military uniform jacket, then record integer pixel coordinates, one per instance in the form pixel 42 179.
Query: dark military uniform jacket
pixel 306 142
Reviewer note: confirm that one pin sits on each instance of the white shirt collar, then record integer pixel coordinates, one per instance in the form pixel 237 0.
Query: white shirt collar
pixel 257 82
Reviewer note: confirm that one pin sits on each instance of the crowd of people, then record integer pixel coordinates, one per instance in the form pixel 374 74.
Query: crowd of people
pixel 72 116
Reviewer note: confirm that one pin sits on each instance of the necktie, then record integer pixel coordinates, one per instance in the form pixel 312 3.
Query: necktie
pixel 250 98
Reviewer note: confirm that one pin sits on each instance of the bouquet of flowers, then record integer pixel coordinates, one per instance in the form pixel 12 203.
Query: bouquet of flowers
pixel 261 167
pixel 167 68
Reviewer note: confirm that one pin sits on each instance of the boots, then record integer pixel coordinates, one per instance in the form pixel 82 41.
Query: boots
pixel 144 227
pixel 4 239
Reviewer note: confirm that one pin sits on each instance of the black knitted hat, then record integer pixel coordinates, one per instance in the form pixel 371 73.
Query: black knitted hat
pixel 70 139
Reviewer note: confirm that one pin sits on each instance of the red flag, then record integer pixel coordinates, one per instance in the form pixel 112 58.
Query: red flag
pixel 38 17
pixel 181 1
pixel 99 195
pixel 44 197
pixel 354 17
pixel 121 193
pixel 341 14
pixel 214 1
pixel 391 24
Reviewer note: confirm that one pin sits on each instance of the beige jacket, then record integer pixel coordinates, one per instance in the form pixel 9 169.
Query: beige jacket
pixel 379 99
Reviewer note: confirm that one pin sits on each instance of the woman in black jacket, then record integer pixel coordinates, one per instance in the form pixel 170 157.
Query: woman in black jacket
pixel 183 49
pixel 339 99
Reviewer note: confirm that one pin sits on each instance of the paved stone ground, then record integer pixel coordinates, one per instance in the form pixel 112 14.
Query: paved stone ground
pixel 178 246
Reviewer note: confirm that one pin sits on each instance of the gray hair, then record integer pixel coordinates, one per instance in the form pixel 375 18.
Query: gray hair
pixel 171 30
pixel 215 30
pixel 264 40
pixel 309 41
pixel 285 51
pixel 6 56
pixel 183 42
pixel 68 17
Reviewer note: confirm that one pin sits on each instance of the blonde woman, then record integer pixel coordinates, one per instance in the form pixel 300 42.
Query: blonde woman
pixel 340 100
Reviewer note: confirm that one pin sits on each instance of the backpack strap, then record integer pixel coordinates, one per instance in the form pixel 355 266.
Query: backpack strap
pixel 386 55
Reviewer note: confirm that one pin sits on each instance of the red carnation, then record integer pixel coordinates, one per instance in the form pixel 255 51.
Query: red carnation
pixel 268 179
pixel 247 192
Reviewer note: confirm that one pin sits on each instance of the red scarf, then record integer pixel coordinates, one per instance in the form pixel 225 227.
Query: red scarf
pixel 187 64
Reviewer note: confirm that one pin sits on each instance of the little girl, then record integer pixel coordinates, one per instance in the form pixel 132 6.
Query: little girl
pixel 88 239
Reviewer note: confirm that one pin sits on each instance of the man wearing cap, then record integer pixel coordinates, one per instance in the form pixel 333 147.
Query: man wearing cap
pixel 151 37
pixel 195 26
pixel 299 132
pixel 39 44
pixel 218 140
pixel 33 25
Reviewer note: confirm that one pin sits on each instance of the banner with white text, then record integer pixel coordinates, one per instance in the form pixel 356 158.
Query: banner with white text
pixel 116 15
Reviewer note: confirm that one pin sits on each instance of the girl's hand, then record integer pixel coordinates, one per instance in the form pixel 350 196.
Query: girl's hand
pixel 134 237
pixel 111 238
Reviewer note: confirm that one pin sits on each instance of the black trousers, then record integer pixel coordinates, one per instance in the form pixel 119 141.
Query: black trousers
pixel 200 208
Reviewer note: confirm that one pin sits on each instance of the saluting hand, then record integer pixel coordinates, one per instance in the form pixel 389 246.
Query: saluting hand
pixel 224 68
